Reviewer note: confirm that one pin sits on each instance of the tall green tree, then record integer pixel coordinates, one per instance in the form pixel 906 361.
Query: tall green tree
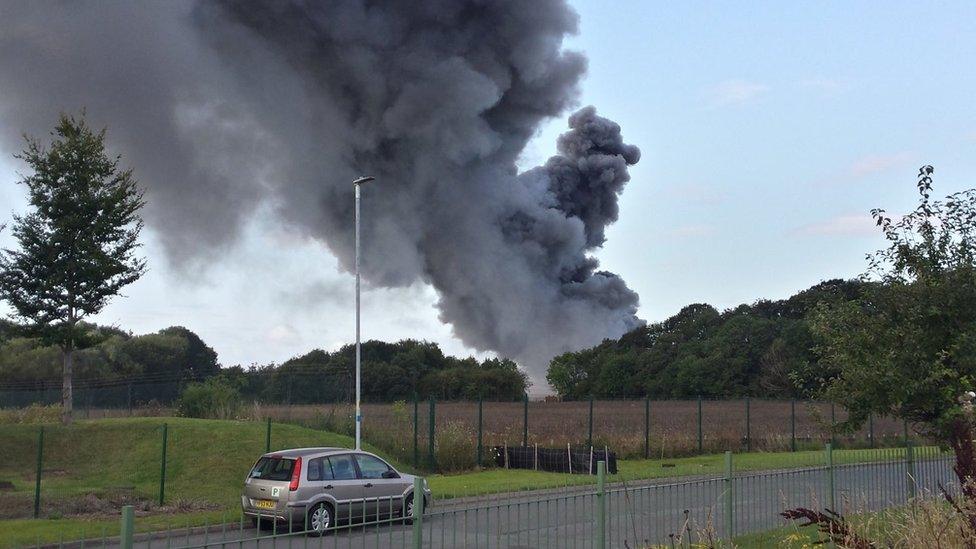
pixel 907 346
pixel 77 245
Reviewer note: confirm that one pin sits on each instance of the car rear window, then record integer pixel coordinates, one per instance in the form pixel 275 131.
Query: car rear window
pixel 273 468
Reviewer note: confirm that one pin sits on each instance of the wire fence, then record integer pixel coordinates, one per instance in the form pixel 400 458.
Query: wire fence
pixel 452 436
pixel 602 513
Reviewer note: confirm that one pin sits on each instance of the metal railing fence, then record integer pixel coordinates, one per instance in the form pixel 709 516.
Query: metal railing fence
pixel 602 514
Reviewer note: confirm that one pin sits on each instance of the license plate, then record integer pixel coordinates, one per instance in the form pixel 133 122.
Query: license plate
pixel 264 504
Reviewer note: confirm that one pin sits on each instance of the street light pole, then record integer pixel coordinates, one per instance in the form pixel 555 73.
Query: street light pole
pixel 359 413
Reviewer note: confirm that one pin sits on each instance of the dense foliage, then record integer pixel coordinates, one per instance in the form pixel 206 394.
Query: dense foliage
pixel 156 363
pixel 391 371
pixel 215 398
pixel 119 368
pixel 758 350
pixel 910 350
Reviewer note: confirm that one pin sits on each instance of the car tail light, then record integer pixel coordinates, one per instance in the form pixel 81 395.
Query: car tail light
pixel 296 473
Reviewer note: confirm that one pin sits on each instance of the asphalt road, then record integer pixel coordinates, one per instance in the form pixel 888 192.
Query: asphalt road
pixel 638 514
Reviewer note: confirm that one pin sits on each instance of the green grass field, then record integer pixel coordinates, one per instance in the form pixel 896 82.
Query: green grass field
pixel 502 480
pixel 93 467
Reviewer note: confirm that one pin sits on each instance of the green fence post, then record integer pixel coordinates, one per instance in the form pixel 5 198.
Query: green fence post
pixel 729 499
pixel 871 430
pixel 589 430
pixel 910 466
pixel 830 477
pixel 700 436
pixel 480 431
pixel 525 420
pixel 162 467
pixel 37 479
pixel 418 512
pixel 127 527
pixel 267 437
pixel 601 502
pixel 833 425
pixel 748 427
pixel 431 461
pixel 792 424
pixel 416 440
pixel 647 428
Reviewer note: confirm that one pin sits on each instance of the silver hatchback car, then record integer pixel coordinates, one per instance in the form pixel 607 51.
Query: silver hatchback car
pixel 315 488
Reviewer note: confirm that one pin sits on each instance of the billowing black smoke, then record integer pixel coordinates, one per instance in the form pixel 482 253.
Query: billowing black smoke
pixel 223 107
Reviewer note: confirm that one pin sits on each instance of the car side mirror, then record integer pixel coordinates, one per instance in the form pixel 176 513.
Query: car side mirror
pixel 390 474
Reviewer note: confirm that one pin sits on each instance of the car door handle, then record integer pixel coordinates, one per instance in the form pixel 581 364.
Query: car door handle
pixel 327 487
pixel 368 485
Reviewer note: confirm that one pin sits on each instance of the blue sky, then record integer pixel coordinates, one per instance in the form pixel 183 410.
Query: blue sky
pixel 768 132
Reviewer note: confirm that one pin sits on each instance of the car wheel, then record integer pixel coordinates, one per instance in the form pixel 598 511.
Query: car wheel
pixel 320 519
pixel 408 510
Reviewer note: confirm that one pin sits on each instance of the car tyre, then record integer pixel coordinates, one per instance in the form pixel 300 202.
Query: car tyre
pixel 408 510
pixel 319 519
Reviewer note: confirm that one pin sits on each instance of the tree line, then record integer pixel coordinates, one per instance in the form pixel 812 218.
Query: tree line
pixel 390 371
pixel 765 349
pixel 161 364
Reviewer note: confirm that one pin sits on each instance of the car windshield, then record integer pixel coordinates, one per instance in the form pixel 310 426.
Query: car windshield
pixel 273 468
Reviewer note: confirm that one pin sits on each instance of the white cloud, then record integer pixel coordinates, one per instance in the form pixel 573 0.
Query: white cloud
pixel 283 334
pixel 855 225
pixel 873 164
pixel 735 92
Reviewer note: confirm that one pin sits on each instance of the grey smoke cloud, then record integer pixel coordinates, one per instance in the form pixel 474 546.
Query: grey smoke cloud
pixel 222 107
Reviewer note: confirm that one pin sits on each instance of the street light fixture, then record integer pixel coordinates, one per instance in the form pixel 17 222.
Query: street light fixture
pixel 359 414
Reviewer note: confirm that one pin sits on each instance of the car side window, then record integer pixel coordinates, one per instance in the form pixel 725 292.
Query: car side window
pixel 314 470
pixel 371 467
pixel 319 469
pixel 343 467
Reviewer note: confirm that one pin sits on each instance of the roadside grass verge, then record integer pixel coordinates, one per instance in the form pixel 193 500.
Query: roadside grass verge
pixel 30 532
pixel 787 537
pixel 512 480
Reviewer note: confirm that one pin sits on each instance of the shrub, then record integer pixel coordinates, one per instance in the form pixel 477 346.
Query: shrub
pixel 35 413
pixel 925 521
pixel 455 447
pixel 215 398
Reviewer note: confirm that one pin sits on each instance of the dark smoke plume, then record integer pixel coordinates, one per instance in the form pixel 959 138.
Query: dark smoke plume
pixel 223 107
